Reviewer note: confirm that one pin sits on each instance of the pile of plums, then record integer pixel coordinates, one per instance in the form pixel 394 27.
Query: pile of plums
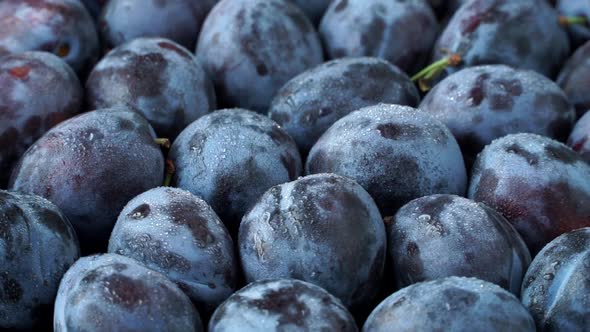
pixel 295 165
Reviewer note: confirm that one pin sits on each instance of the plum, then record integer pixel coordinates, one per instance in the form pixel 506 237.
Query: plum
pixel 579 137
pixel 574 79
pixel 575 14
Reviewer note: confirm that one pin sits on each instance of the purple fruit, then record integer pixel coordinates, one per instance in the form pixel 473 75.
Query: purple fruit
pixel 580 136
pixel 38 90
pixel 90 166
pixel 557 284
pixel 110 292
pixel 37 246
pixel 397 153
pixel 475 240
pixel 62 27
pixel 399 31
pixel 162 80
pixel 324 229
pixel 540 185
pixel 574 79
pixel 250 48
pixel 177 234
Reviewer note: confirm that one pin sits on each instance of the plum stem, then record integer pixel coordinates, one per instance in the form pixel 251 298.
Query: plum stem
pixel 170 169
pixel 572 20
pixel 163 142
pixel 434 69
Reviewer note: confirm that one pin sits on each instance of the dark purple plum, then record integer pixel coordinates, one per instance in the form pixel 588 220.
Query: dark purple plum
pixel 250 48
pixel 157 77
pixel 580 136
pixel 482 103
pixel 110 292
pixel 94 6
pixel 282 305
pixel 399 31
pixel 540 185
pixel 177 234
pixel 62 27
pixel 523 34
pixel 38 90
pixel 314 9
pixel 90 166
pixel 557 284
pixel 37 246
pixel 397 153
pixel 231 157
pixel 178 20
pixel 451 304
pixel 311 102
pixel 475 240
pixel 575 14
pixel 324 229
pixel 574 79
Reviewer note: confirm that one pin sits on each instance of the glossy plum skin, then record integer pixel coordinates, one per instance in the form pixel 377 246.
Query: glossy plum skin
pixel 314 9
pixel 231 157
pixel 579 33
pixel 451 304
pixel 37 246
pixel 324 229
pixel 62 27
pixel 482 103
pixel 580 136
pixel 557 284
pixel 38 91
pixel 476 241
pixel 110 292
pixel 540 185
pixel 282 305
pixel 177 234
pixel 159 78
pixel 250 48
pixel 401 32
pixel 311 102
pixel 574 79
pixel 90 166
pixel 397 153
pixel 523 34
pixel 178 20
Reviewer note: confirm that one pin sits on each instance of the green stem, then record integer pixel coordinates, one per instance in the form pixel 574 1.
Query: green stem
pixel 170 169
pixel 434 69
pixel 163 142
pixel 573 20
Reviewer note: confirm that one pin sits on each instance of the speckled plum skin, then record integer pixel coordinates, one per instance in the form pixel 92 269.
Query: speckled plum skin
pixel 482 103
pixel 324 229
pixel 399 31
pixel 523 34
pixel 178 20
pixel 250 48
pixel 314 9
pixel 282 305
pixel 178 234
pixel 38 91
pixel 90 166
pixel 557 284
pixel 62 27
pixel 540 185
pixel 580 136
pixel 231 157
pixel 579 33
pixel 37 246
pixel 110 292
pixel 311 102
pixel 476 241
pixel 159 78
pixel 574 79
pixel 397 153
pixel 451 304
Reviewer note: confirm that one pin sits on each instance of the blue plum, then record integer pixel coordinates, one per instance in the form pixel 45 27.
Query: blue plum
pixel 311 102
pixel 324 229
pixel 580 136
pixel 397 153
pixel 574 79
pixel 176 233
pixel 110 292
pixel 282 305
pixel 37 246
